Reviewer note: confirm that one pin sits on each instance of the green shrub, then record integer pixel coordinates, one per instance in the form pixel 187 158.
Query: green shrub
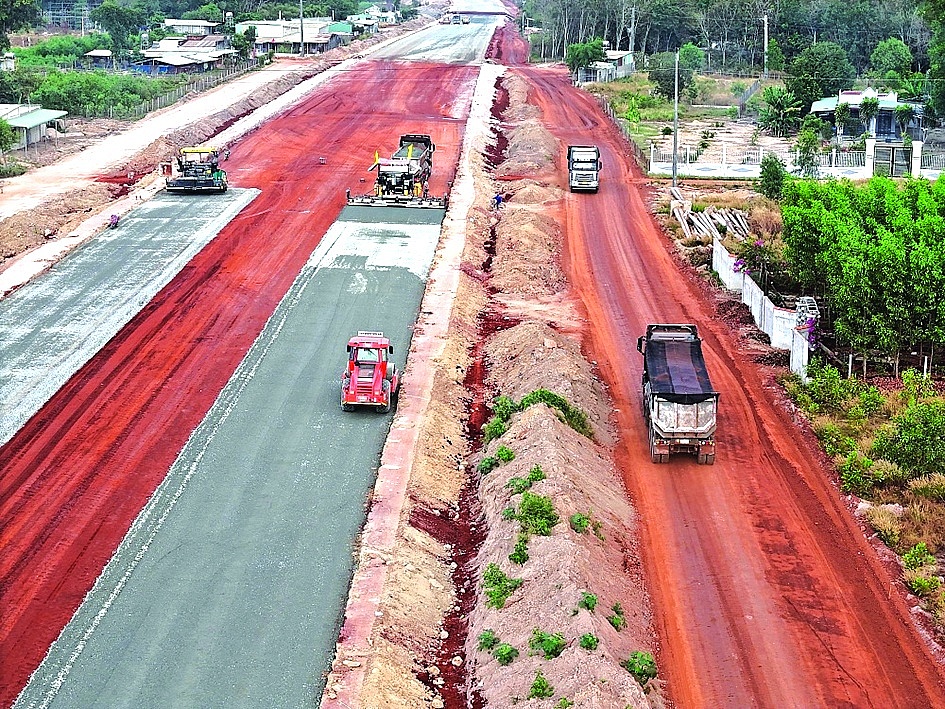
pixel 548 644
pixel 916 442
pixel 834 441
pixel 855 474
pixel 493 429
pixel 589 642
pixel 574 417
pixel 579 522
pixel 518 485
pixel 508 513
pixel 488 640
pixel 564 703
pixel 498 586
pixel 540 689
pixel 931 487
pixel 915 387
pixel 871 401
pixel 487 465
pixel 588 601
pixel 12 169
pixel 887 524
pixel 886 472
pixel 536 474
pixel 536 514
pixel 921 584
pixel 520 554
pixel 505 454
pixel 617 620
pixel 917 557
pixel 666 130
pixel 642 666
pixel 826 387
pixel 503 407
pixel 504 653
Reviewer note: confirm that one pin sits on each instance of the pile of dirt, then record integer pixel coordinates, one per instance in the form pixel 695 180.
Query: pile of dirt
pixel 531 148
pixel 528 246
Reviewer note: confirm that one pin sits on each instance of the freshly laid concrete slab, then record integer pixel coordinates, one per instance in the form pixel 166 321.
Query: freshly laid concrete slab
pixel 230 586
pixel 54 324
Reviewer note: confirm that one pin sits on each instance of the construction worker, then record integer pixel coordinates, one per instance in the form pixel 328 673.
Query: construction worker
pixel 497 201
pixel 226 153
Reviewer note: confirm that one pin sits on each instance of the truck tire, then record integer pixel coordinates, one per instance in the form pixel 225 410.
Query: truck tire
pixel 656 457
pixel 706 459
pixel 384 408
pixel 344 388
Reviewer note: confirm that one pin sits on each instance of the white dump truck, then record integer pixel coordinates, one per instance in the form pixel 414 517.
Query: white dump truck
pixel 584 167
pixel 679 402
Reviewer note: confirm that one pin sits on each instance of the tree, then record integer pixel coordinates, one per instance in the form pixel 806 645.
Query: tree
pixel 773 174
pixel 691 57
pixel 210 12
pixel 808 153
pixel 775 55
pixel 891 55
pixel 7 139
pixel 15 15
pixel 243 42
pixel 821 70
pixel 583 55
pixel 904 115
pixel 781 111
pixel 869 108
pixel 120 22
pixel 662 72
pixel 841 114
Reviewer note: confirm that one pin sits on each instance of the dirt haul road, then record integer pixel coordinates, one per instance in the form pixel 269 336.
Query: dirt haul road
pixel 78 472
pixel 765 591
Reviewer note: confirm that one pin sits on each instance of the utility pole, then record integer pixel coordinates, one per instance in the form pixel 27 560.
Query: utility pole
pixel 633 36
pixel 676 118
pixel 301 31
pixel 766 48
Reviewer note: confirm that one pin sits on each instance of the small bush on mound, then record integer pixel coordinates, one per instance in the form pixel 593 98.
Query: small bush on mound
pixel 520 554
pixel 617 619
pixel 548 644
pixel 487 465
pixel 917 557
pixel 564 703
pixel 642 666
pixel 541 689
pixel 916 442
pixel 505 454
pixel 855 477
pixel 536 474
pixel 518 485
pixel 488 640
pixel 493 429
pixel 931 487
pixel 504 653
pixel 579 522
pixel 12 169
pixel 503 407
pixel 498 586
pixel 573 416
pixel 536 514
pixel 588 601
pixel 589 642
pixel 508 513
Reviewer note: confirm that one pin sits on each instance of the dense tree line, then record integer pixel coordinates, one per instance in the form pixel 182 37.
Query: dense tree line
pixel 732 31
pixel 875 254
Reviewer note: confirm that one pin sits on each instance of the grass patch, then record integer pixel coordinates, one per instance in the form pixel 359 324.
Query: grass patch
pixel 520 554
pixel 505 454
pixel 579 522
pixel 617 619
pixel 551 645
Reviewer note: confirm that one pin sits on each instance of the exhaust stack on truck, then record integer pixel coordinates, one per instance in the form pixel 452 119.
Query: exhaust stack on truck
pixel 584 167
pixel 679 402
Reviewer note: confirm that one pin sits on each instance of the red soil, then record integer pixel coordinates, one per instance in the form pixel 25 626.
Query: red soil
pixel 765 591
pixel 74 478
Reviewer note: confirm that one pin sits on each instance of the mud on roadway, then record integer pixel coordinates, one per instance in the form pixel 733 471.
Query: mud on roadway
pixel 764 591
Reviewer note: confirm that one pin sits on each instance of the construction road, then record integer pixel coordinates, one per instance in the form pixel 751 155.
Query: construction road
pixel 79 472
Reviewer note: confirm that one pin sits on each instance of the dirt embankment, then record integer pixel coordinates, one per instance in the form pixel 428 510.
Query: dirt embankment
pixel 509 334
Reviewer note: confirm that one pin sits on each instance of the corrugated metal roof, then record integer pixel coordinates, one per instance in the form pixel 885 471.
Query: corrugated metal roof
pixel 36 117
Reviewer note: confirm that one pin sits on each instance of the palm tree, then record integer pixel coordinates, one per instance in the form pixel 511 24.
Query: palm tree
pixel 781 112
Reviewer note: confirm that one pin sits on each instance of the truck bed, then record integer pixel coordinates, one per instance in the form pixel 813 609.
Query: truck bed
pixel 677 371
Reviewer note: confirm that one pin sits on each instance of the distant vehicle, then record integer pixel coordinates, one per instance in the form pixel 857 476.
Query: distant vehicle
pixel 584 167
pixel 465 19
pixel 445 19
pixel 370 378
pixel 679 402
pixel 456 19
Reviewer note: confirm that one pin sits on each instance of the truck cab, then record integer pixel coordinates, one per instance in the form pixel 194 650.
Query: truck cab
pixel 679 403
pixel 584 165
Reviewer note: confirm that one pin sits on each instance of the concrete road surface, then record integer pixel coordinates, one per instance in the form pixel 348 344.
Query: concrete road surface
pixel 446 44
pixel 229 588
pixel 52 326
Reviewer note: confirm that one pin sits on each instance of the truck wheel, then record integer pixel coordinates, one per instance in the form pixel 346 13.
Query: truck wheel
pixel 656 457
pixel 386 389
pixel 706 459
pixel 346 407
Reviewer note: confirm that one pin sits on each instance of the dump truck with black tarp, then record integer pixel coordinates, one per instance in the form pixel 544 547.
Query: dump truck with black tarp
pixel 679 402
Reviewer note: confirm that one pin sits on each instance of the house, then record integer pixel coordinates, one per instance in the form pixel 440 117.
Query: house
pixel 362 24
pixel 8 61
pixel 884 126
pixel 99 58
pixel 597 72
pixel 185 55
pixel 622 61
pixel 191 27
pixel 286 37
pixel 30 122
